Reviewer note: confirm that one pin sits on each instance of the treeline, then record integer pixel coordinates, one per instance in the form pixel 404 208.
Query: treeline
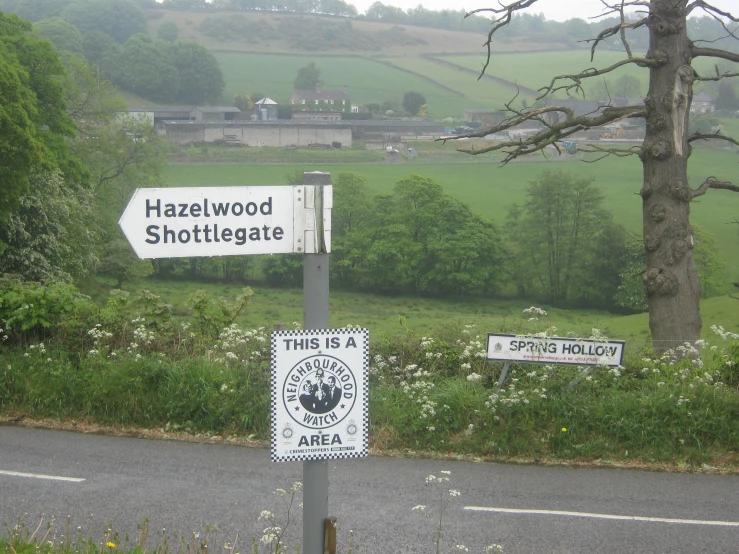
pixel 112 35
pixel 305 33
pixel 561 246
pixel 69 162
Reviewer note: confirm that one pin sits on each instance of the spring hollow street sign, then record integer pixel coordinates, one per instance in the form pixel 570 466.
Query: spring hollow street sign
pixel 228 221
pixel 555 350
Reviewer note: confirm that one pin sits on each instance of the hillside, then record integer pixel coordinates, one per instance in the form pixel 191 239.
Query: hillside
pixel 378 62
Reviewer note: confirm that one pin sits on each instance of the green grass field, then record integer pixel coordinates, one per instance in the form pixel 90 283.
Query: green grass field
pixel 367 80
pixel 491 189
pixel 396 315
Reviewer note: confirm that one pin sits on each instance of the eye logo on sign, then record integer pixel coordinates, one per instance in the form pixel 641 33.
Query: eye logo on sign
pixel 319 391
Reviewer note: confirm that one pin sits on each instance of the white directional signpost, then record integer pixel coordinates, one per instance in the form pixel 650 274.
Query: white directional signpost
pixel 225 221
pixel 553 350
pixel 319 396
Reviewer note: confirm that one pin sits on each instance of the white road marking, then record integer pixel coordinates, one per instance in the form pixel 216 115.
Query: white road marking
pixel 604 516
pixel 41 476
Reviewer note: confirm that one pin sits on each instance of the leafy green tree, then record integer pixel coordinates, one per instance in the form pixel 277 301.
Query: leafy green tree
pixel 711 270
pixel 34 123
pixel 63 35
pixel 102 51
pixel 168 31
pixel 52 235
pixel 199 76
pixel 726 98
pixel 20 147
pixel 146 68
pixel 243 102
pixel 412 102
pixel 415 240
pixel 627 86
pixel 308 77
pixel 35 10
pixel 557 229
pixel 119 261
pixel 120 19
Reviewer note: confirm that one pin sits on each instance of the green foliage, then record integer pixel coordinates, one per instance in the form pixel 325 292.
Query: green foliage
pixel 33 310
pixel 168 31
pixel 726 98
pixel 101 51
pixel 52 235
pixel 63 35
pixel 308 77
pixel 119 262
pixel 182 71
pixel 416 239
pixel 284 269
pixel 558 237
pixel 711 270
pixel 33 114
pixel 120 19
pixel 412 102
pixel 145 68
pixel 243 102
pixel 212 316
pixel 199 75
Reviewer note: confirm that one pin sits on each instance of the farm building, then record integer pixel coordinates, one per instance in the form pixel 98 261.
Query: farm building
pixel 158 114
pixel 258 133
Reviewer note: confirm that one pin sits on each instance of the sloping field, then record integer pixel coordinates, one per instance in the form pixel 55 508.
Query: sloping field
pixel 367 80
pixel 482 93
pixel 427 40
pixel 535 70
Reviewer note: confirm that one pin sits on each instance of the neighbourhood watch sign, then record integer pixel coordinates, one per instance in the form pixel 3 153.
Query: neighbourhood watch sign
pixel 319 394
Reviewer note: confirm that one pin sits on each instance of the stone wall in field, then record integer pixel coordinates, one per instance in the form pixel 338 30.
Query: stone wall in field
pixel 262 133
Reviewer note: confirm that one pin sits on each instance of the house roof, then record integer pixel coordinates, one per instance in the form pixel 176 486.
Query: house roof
pixel 265 102
pixel 161 109
pixel 218 109
pixel 702 97
pixel 311 95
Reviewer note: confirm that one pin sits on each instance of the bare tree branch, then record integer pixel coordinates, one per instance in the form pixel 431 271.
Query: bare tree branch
pixel 507 12
pixel 717 15
pixel 715 53
pixel 553 133
pixel 623 33
pixel 620 28
pixel 713 183
pixel 718 76
pixel 593 72
pixel 618 152
pixel 717 136
pixel 710 9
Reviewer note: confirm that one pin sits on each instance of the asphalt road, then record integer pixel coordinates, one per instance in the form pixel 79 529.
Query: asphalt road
pixel 184 487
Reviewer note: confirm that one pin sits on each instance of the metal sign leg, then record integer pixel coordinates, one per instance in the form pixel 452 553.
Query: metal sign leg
pixel 503 374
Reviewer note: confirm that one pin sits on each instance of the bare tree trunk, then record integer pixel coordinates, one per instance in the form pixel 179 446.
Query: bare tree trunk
pixel 671 280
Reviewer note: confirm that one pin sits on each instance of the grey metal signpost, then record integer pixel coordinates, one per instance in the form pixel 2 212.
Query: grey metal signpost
pixel 224 221
pixel 315 314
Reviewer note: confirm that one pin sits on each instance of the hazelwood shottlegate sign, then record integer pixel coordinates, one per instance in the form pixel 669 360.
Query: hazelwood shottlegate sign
pixel 227 221
pixel 555 350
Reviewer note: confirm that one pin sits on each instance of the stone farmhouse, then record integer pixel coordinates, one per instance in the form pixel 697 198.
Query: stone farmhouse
pixel 319 100
pixel 702 103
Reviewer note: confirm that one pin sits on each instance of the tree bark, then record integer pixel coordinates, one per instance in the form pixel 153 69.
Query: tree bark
pixel 671 280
